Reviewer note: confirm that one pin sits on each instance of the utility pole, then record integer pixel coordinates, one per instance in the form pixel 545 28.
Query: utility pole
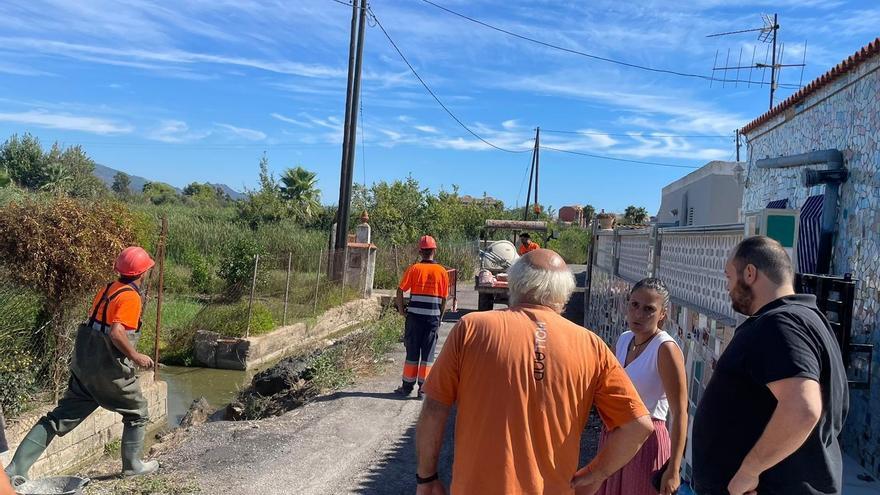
pixel 537 162
pixel 775 29
pixel 349 137
pixel 533 174
pixel 737 144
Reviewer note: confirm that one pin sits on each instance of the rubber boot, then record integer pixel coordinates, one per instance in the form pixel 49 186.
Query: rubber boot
pixel 29 450
pixel 132 446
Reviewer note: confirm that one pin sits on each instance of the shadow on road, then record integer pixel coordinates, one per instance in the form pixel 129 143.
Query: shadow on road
pixel 454 316
pixel 369 395
pixel 395 471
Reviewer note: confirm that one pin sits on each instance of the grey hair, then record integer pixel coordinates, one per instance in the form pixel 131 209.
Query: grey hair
pixel 654 284
pixel 551 288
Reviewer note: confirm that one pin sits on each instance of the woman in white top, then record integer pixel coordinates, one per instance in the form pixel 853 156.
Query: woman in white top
pixel 655 365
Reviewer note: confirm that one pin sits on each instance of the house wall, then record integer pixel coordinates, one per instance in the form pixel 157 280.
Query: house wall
pixel 844 115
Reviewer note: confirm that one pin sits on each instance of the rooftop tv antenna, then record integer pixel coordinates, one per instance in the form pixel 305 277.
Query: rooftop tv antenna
pixel 767 34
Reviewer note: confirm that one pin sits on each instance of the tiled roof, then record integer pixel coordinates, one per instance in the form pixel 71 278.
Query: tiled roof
pixel 854 60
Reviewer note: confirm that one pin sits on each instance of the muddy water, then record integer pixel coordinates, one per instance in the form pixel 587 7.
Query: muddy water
pixel 219 387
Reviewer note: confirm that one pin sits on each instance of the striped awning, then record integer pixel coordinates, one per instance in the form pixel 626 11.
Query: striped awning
pixel 808 235
pixel 779 204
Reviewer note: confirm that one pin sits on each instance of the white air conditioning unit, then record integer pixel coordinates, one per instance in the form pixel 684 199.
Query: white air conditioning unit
pixel 782 225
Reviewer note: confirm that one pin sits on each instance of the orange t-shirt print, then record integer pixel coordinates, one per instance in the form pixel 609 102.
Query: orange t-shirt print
pixel 524 381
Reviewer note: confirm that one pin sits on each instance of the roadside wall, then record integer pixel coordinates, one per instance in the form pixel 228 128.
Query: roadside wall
pixel 690 261
pixel 215 351
pixel 87 441
pixel 843 115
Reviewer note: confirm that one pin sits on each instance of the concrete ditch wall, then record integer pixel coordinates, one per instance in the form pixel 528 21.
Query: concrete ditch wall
pixel 215 351
pixel 87 441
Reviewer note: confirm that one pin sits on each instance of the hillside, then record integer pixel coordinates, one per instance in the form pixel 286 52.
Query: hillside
pixel 137 183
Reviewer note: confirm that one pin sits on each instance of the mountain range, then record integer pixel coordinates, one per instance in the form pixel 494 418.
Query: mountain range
pixel 106 174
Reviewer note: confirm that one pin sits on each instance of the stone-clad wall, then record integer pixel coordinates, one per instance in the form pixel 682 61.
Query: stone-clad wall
pixel 844 115
pixel 701 337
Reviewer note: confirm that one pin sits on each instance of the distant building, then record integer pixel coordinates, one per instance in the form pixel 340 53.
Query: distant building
pixel 485 200
pixel 573 214
pixel 710 195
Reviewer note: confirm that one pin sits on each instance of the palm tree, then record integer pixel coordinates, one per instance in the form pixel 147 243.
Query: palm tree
pixel 298 187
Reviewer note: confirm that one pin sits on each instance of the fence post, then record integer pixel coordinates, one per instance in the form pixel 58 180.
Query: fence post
pixel 247 332
pixel 396 262
pixel 344 267
pixel 159 296
pixel 318 277
pixel 287 289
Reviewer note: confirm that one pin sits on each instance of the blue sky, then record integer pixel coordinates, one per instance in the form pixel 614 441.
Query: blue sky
pixel 196 90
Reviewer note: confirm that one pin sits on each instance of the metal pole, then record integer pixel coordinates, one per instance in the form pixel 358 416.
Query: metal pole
pixel 287 289
pixel 773 63
pixel 318 277
pixel 737 145
pixel 537 165
pixel 592 260
pixel 343 177
pixel 344 267
pixel 247 332
pixel 159 296
pixel 531 178
pixel 345 186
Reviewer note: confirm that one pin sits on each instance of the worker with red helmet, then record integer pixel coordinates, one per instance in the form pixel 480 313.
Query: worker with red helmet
pixel 428 284
pixel 103 372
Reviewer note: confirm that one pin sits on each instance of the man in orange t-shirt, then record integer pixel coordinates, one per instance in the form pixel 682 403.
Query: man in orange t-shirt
pixel 526 244
pixel 524 380
pixel 428 284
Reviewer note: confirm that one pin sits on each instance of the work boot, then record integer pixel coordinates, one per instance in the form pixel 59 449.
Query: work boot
pixel 404 390
pixel 29 450
pixel 421 394
pixel 132 446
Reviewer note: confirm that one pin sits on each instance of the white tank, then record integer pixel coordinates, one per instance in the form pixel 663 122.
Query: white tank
pixel 504 250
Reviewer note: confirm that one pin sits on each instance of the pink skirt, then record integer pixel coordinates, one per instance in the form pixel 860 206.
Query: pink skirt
pixel 635 477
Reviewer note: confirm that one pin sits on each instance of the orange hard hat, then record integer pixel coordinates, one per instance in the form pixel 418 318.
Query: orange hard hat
pixel 133 261
pixel 427 242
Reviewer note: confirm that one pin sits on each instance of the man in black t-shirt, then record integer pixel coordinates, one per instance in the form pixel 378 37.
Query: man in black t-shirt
pixel 769 419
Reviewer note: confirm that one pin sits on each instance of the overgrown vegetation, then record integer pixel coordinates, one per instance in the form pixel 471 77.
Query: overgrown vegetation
pixel 296 380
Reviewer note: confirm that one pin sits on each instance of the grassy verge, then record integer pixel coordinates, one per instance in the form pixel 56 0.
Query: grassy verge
pixel 158 484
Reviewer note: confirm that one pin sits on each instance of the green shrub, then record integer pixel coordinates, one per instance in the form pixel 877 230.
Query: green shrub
pixel 230 320
pixel 237 268
pixel 572 245
pixel 201 277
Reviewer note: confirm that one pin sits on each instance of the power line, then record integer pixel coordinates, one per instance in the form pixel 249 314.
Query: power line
pixel 585 54
pixel 605 157
pixel 633 134
pixel 437 99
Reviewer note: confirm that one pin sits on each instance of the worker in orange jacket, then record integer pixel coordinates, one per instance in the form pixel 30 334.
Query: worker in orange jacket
pixel 102 372
pixel 428 284
pixel 526 244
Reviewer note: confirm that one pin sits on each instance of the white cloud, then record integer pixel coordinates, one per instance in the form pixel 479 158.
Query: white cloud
pixel 136 56
pixel 243 132
pixel 509 124
pixel 43 118
pixel 289 120
pixel 427 128
pixel 19 70
pixel 176 131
